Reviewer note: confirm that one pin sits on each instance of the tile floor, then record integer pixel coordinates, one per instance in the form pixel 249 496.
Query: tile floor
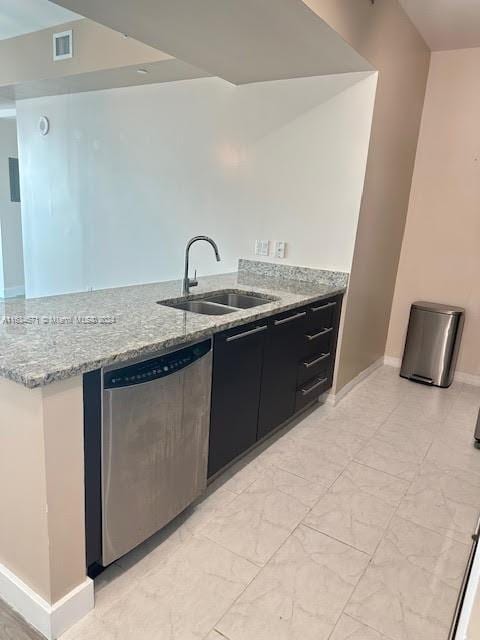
pixel 353 524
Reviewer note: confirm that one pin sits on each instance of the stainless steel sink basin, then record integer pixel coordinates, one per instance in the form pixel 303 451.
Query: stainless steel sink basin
pixel 200 306
pixel 238 300
pixel 218 303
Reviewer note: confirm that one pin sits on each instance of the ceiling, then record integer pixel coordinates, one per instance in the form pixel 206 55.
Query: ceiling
pixel 446 24
pixel 161 71
pixel 238 40
pixel 18 17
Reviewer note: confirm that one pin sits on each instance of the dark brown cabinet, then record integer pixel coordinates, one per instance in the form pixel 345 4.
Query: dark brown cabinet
pixel 279 380
pixel 266 372
pixel 236 385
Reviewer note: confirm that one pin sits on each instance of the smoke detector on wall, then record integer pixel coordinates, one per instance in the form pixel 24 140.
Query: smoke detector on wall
pixel 63 45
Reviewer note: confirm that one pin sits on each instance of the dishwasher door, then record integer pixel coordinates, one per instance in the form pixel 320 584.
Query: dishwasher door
pixel 154 444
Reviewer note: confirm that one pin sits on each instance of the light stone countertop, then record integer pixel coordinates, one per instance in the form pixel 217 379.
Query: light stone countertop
pixel 43 340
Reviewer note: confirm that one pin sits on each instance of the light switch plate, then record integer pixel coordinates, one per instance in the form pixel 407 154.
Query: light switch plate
pixel 280 248
pixel 262 247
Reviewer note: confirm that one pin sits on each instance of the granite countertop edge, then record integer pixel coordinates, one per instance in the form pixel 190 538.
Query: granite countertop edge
pixel 289 294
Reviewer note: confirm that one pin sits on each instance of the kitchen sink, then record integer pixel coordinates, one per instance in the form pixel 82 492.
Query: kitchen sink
pixel 238 300
pixel 219 303
pixel 200 306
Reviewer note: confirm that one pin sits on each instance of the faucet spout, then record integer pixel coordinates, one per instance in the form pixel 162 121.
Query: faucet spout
pixel 189 282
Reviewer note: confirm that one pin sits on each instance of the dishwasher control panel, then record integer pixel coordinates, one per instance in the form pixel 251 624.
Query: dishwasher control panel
pixel 158 367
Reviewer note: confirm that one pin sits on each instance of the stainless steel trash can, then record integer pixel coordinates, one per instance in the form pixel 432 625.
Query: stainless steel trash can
pixel 432 343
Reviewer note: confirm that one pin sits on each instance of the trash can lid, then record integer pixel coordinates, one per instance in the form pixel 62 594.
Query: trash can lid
pixel 438 308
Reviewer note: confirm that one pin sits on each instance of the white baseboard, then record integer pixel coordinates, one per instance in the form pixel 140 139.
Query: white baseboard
pixel 459 376
pixel 50 620
pixel 13 292
pixel 392 362
pixel 334 399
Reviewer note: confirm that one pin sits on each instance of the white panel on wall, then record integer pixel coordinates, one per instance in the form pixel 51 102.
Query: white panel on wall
pixel 126 176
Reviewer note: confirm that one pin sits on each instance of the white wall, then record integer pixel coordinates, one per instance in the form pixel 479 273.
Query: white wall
pixel 11 250
pixel 126 176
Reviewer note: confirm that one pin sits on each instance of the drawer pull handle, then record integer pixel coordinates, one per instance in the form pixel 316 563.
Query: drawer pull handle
pixel 320 334
pixel 324 306
pixel 312 363
pixel 314 386
pixel 239 336
pixel 290 318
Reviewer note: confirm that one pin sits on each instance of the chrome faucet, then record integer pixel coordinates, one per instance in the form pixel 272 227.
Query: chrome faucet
pixel 193 282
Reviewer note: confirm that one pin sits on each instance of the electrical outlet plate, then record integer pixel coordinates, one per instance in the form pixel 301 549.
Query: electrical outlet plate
pixel 262 247
pixel 280 248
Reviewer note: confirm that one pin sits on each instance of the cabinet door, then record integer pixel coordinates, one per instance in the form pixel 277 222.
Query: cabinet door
pixel 237 373
pixel 283 351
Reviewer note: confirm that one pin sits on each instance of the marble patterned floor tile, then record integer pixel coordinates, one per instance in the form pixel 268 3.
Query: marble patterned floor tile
pixel 465 407
pixel 369 417
pixel 377 483
pixel 460 421
pixel 426 549
pixel 203 510
pixel 310 460
pixel 89 628
pixel 455 448
pixel 390 395
pixel 341 433
pixel 244 473
pixel 305 490
pixel 352 515
pixel 350 629
pixel 412 413
pixel 361 427
pixel 112 583
pixel 260 519
pixel 184 597
pixel 444 499
pixel 402 601
pixel 363 408
pixel 299 594
pixel 386 457
pixel 149 555
pixel 214 635
pixel 190 581
pixel 336 441
pixel 127 572
pixel 409 438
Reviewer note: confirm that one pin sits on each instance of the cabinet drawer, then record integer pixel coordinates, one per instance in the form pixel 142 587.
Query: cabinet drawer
pixel 310 391
pixel 317 342
pixel 321 315
pixel 314 367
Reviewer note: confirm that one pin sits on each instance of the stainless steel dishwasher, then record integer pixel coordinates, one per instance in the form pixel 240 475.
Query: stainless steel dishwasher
pixel 154 443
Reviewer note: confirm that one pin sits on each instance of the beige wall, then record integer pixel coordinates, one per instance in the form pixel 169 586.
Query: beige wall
pixel 383 34
pixel 30 57
pixel 24 522
pixel 42 531
pixel 440 258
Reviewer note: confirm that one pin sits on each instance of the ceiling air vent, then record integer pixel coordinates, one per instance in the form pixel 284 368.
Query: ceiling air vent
pixel 62 45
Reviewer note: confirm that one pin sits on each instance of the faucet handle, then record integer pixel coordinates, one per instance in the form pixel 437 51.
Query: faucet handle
pixel 193 281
